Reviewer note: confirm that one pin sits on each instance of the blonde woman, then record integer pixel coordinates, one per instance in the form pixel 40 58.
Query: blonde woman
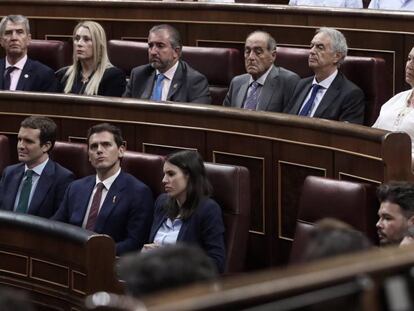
pixel 91 72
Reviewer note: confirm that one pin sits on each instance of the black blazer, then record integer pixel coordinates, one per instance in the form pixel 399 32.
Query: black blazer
pixel 112 83
pixel 35 77
pixel 343 101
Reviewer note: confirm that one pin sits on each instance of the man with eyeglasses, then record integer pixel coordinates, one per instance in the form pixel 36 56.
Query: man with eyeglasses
pixel 264 86
pixel 17 71
pixel 166 77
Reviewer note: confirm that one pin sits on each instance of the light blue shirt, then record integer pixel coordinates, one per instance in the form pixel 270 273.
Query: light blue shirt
pixel 356 4
pixel 37 171
pixel 168 232
pixel 392 5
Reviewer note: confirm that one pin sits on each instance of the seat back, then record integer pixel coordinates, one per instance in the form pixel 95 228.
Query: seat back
pixel 52 53
pixel 231 186
pixel 73 156
pixel 353 203
pixel 4 153
pixel 219 65
pixel 365 72
pixel 146 167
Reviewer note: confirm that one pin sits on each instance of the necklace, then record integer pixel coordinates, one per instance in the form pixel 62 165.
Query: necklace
pixel 408 107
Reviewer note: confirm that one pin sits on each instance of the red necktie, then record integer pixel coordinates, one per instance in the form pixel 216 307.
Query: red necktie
pixel 93 212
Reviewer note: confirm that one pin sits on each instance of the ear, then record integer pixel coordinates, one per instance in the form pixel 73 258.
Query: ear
pixel 274 55
pixel 410 221
pixel 46 146
pixel 121 151
pixel 337 58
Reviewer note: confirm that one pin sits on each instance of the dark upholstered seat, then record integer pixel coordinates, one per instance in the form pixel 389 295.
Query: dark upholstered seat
pixel 219 65
pixel 231 186
pixel 350 202
pixel 146 167
pixel 55 54
pixel 73 156
pixel 366 72
pixel 4 152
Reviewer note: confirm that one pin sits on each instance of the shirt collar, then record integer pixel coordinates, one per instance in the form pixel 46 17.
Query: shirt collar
pixel 109 181
pixel 169 74
pixel 38 169
pixel 20 64
pixel 262 78
pixel 327 82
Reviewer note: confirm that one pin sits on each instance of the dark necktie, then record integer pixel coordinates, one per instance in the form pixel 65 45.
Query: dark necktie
pixel 157 91
pixel 25 193
pixel 306 109
pixel 93 212
pixel 6 79
pixel 251 100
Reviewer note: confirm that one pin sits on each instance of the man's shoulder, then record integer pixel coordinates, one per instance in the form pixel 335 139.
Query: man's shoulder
pixel 61 170
pixel 38 66
pixel 190 71
pixel 240 78
pixel 11 169
pixel 287 73
pixel 142 69
pixel 346 84
pixel 131 182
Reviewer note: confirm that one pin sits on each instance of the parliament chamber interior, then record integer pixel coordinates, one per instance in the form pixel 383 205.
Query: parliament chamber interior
pixel 274 174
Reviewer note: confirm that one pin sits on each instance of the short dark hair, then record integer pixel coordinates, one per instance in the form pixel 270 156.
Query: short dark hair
pixel 198 186
pixel 46 126
pixel 332 237
pixel 106 127
pixel 165 267
pixel 175 38
pixel 400 193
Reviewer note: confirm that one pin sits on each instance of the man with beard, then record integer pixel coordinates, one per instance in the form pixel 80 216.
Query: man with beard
pixel 166 77
pixel 396 213
pixel 328 94
pixel 265 86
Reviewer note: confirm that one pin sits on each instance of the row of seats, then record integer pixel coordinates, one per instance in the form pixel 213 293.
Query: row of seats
pixel 231 186
pixel 220 65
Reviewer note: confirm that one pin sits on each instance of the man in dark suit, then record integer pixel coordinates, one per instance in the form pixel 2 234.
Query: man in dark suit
pixel 265 86
pixel 17 71
pixel 36 185
pixel 111 202
pixel 328 94
pixel 166 77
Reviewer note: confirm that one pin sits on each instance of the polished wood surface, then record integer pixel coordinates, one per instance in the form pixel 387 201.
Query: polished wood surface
pixel 279 150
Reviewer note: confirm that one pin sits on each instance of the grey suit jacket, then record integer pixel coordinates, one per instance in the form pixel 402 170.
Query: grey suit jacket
pixel 275 95
pixel 188 85
pixel 343 101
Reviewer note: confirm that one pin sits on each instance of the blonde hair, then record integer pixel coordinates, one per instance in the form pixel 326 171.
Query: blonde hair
pixel 100 59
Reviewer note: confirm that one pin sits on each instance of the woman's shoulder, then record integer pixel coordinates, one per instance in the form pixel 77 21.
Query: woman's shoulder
pixel 61 72
pixel 208 205
pixel 114 72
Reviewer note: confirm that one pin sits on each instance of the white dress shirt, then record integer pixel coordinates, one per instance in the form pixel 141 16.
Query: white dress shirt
pixel 392 5
pixel 107 184
pixel 356 4
pixel 166 83
pixel 15 74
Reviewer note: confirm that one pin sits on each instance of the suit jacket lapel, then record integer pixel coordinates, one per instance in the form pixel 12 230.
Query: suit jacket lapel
pixel 184 229
pixel 241 94
pixel 302 96
pixel 81 204
pixel 2 68
pixel 44 183
pixel 112 199
pixel 15 181
pixel 156 227
pixel 329 98
pixel 177 81
pixel 25 76
pixel 146 94
pixel 268 89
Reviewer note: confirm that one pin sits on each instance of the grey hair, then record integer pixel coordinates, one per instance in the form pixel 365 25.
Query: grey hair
pixel 175 38
pixel 339 44
pixel 15 19
pixel 271 42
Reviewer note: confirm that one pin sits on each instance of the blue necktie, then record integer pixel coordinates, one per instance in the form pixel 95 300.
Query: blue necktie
pixel 251 100
pixel 25 193
pixel 7 78
pixel 157 90
pixel 306 109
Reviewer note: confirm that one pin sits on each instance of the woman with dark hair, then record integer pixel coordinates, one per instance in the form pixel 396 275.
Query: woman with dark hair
pixel 186 213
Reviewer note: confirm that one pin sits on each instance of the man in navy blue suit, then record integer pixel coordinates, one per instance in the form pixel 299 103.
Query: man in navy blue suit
pixel 36 185
pixel 17 71
pixel 111 202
